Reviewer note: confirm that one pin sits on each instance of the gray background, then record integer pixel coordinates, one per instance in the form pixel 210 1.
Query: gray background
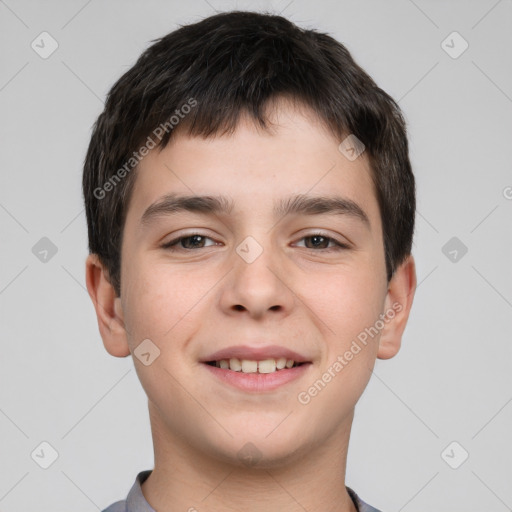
pixel 452 379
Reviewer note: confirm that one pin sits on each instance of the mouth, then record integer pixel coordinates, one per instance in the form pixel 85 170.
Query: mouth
pixel 253 366
pixel 258 370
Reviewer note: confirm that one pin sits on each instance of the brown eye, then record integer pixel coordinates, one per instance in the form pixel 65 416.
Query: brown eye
pixel 190 242
pixel 318 241
pixel 321 242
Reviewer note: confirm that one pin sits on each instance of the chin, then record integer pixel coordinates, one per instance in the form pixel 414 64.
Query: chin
pixel 259 447
pixel 259 455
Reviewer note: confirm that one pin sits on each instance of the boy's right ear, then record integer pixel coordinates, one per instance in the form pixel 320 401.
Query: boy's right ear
pixel 108 307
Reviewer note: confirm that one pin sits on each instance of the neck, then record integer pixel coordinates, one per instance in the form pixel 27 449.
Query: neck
pixel 186 479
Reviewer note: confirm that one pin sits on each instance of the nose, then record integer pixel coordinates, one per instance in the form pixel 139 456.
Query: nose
pixel 257 284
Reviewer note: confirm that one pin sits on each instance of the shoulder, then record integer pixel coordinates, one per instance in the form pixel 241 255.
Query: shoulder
pixel 118 506
pixel 135 501
pixel 359 503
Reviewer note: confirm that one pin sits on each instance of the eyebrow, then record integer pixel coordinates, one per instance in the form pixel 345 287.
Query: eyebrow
pixel 294 205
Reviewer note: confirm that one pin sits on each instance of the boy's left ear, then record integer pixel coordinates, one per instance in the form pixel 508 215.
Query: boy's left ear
pixel 399 299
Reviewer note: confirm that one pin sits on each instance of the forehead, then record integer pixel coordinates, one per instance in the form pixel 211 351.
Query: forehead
pixel 257 168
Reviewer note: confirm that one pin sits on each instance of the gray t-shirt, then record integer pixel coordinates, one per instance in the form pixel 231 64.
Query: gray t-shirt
pixel 135 501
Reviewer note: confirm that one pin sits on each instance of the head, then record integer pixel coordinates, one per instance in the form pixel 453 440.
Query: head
pixel 236 132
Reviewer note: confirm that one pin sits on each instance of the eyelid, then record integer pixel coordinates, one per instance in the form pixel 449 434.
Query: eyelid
pixel 338 244
pixel 326 233
pixel 177 238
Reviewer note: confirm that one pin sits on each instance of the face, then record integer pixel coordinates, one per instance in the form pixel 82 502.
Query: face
pixel 255 276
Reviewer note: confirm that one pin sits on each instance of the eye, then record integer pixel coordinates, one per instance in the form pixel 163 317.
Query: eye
pixel 198 241
pixel 189 242
pixel 320 241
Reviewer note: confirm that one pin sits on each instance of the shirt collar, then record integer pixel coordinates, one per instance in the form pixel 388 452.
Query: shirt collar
pixel 135 501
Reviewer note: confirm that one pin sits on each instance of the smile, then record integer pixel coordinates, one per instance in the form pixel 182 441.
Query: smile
pixel 252 366
pixel 252 379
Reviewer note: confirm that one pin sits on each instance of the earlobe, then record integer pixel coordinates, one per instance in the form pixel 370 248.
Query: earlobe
pixel 398 304
pixel 108 308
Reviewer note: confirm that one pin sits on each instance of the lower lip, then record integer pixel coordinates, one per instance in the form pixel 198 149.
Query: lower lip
pixel 258 382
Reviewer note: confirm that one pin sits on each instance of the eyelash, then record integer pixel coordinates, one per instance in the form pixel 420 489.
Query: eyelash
pixel 339 246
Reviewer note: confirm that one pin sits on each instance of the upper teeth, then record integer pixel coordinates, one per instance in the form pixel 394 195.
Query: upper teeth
pixel 250 366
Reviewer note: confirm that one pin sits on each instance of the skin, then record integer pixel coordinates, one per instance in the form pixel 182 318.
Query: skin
pixel 193 302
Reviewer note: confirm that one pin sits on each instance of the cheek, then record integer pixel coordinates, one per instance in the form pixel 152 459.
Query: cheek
pixel 346 300
pixel 348 304
pixel 154 302
pixel 162 306
pixel 165 303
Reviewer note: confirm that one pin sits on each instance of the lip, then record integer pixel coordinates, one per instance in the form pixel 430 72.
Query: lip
pixel 256 354
pixel 257 382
